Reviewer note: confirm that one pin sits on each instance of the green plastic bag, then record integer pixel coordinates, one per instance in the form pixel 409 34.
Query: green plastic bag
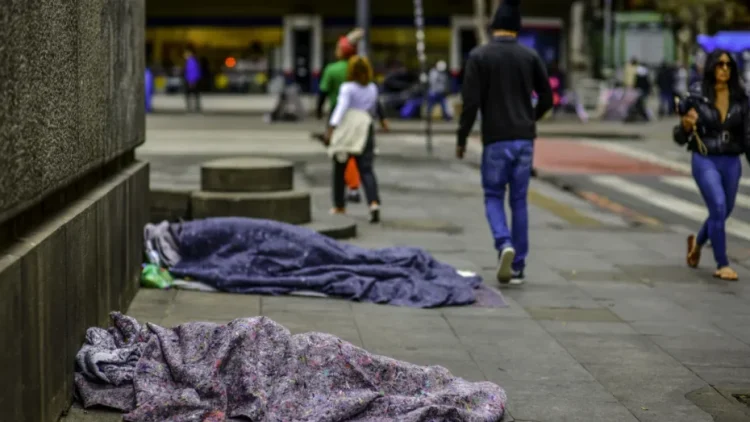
pixel 153 277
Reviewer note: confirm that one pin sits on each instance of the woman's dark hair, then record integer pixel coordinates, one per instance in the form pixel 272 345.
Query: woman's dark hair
pixel 736 86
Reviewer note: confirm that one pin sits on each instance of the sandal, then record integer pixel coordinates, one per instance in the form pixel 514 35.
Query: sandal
pixel 727 274
pixel 337 211
pixel 693 252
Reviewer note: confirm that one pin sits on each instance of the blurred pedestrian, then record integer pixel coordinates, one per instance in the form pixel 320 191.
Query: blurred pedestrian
pixel 681 81
pixel 666 78
pixel 499 80
pixel 288 107
pixel 438 89
pixel 334 75
pixel 643 84
pixel 351 135
pixel 192 75
pixel 557 82
pixel 715 129
pixel 629 73
pixel 149 85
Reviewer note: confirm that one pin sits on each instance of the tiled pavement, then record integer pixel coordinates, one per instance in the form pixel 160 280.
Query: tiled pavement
pixel 610 326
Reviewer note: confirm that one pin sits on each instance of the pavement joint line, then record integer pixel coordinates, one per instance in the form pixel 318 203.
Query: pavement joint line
pixel 600 201
pixel 617 208
pixel 566 212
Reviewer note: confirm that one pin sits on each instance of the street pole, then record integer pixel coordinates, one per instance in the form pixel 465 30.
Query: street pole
pixel 363 22
pixel 423 77
pixel 607 38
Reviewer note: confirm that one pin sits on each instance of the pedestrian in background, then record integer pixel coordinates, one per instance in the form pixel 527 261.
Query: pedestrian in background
pixel 438 89
pixel 681 81
pixel 499 80
pixel 334 75
pixel 716 129
pixel 557 82
pixel 666 79
pixel 644 86
pixel 629 73
pixel 192 76
pixel 148 81
pixel 351 135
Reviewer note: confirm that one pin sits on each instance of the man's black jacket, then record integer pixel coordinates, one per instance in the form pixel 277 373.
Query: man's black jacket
pixel 499 79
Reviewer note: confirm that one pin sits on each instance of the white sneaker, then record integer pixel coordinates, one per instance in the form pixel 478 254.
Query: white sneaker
pixel 517 278
pixel 504 269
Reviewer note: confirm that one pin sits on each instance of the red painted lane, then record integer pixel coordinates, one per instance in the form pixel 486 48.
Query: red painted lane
pixel 553 156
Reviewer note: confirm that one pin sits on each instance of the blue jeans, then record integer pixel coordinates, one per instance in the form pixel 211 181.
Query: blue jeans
pixel 433 99
pixel 508 163
pixel 718 179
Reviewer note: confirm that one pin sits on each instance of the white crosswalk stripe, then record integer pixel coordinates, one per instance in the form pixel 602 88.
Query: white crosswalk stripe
pixel 660 199
pixel 688 184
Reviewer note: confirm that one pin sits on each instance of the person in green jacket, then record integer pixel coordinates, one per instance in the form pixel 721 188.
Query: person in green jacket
pixel 334 73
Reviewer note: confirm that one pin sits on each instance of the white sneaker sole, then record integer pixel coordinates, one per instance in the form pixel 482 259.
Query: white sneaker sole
pixel 517 281
pixel 505 270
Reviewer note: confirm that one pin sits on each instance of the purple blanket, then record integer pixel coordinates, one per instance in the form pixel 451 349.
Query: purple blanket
pixel 254 369
pixel 243 255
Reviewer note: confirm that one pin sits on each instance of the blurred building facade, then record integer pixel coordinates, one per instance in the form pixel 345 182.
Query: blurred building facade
pixel 244 45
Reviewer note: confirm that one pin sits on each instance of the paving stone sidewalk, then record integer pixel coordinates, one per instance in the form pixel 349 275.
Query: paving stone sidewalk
pixel 557 128
pixel 610 326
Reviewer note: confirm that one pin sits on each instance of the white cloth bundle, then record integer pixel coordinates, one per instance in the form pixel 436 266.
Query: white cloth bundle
pixel 350 136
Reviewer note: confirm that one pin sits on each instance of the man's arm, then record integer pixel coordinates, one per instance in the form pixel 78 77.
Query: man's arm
pixel 542 88
pixel 322 92
pixel 471 95
pixel 322 95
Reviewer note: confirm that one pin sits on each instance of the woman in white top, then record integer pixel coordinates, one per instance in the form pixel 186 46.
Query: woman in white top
pixel 357 104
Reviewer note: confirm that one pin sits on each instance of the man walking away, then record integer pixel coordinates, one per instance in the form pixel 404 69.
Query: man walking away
pixel 192 78
pixel 500 79
pixel 438 90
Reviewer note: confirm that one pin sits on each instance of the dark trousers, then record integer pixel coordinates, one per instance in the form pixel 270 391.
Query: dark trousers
pixel 639 110
pixel 718 179
pixel 366 174
pixel 191 91
pixel 666 103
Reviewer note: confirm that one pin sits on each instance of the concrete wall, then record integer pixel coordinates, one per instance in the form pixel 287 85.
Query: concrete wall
pixel 71 90
pixel 73 200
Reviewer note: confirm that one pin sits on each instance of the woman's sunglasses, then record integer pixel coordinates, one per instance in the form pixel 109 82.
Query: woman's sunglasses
pixel 724 64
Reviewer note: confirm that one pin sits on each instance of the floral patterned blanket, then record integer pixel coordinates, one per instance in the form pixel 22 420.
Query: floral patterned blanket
pixel 254 369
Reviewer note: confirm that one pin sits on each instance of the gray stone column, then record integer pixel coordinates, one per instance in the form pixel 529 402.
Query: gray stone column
pixel 363 21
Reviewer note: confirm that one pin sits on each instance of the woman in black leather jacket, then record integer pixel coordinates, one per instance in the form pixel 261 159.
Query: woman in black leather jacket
pixel 716 129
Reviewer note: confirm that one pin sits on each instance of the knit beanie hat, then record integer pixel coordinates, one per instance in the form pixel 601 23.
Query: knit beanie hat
pixel 508 16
